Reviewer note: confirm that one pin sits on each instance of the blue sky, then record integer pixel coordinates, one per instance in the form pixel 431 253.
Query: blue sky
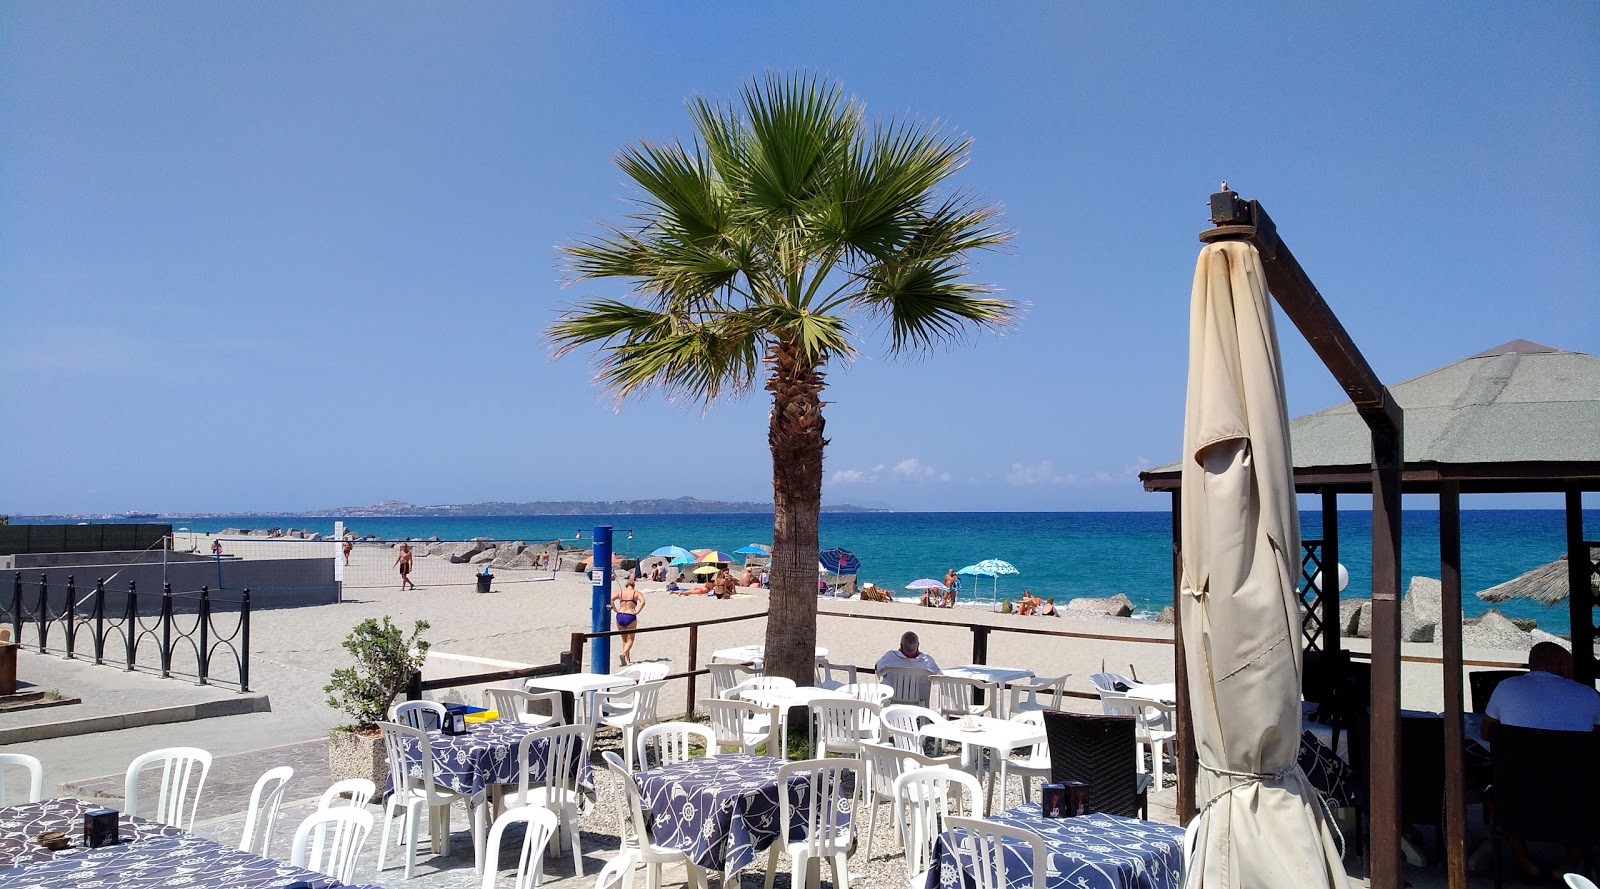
pixel 282 256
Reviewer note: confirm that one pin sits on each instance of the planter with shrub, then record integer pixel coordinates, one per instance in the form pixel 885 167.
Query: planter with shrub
pixel 385 659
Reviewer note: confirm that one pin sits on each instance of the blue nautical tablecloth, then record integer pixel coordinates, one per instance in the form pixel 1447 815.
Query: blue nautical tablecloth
pixel 1327 772
pixel 486 755
pixel 1087 852
pixel 160 863
pixel 19 824
pixel 722 811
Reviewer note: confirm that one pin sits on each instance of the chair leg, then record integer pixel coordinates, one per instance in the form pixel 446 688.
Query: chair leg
pixel 570 815
pixel 478 837
pixel 872 821
pixel 841 872
pixel 772 863
pixel 388 822
pixel 1156 765
pixel 414 812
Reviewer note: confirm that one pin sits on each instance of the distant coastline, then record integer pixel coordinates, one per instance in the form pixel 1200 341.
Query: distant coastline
pixel 402 509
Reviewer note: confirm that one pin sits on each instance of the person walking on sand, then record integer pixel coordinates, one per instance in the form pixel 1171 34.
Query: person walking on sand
pixel 627 603
pixel 952 586
pixel 216 547
pixel 348 546
pixel 403 560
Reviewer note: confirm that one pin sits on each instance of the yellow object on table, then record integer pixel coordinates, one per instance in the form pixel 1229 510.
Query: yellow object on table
pixel 484 716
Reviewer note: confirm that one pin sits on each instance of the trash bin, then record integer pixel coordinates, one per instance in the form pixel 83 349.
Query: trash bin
pixel 483 582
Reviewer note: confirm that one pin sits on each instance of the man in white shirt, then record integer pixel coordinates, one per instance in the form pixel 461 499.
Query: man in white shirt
pixel 1545 697
pixel 909 654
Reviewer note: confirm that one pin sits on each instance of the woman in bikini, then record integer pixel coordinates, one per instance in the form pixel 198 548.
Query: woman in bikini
pixel 404 561
pixel 627 603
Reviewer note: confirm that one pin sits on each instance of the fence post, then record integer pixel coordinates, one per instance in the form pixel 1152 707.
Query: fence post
pixel 980 645
pixel 130 625
pixel 575 653
pixel 166 630
pixel 414 686
pixel 99 620
pixel 16 608
pixel 694 650
pixel 41 614
pixel 72 601
pixel 204 654
pixel 244 643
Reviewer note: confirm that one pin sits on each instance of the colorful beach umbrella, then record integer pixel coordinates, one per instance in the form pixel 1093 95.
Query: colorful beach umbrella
pixel 1262 823
pixel 706 569
pixel 926 583
pixel 712 556
pixel 671 552
pixel 754 549
pixel 682 560
pixel 839 560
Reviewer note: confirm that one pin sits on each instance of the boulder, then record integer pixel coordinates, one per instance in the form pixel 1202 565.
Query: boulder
pixel 1355 618
pixel 314 535
pixel 1495 630
pixel 1525 624
pixel 1419 610
pixel 231 532
pixel 1166 616
pixel 524 559
pixel 486 556
pixel 433 539
pixel 1115 606
pixel 507 553
pixel 461 552
pixel 1537 635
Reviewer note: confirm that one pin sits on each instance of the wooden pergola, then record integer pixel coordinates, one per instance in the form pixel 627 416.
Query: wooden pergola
pixel 1517 418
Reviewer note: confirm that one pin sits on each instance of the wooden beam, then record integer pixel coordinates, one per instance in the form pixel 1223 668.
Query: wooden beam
pixel 1455 760
pixel 1383 773
pixel 1328 596
pixel 1188 759
pixel 1580 592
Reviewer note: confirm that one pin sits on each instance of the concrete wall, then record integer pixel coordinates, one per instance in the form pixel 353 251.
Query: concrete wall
pixel 273 583
pixel 127 557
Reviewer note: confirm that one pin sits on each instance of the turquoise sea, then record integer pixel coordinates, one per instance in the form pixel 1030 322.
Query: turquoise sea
pixel 1059 554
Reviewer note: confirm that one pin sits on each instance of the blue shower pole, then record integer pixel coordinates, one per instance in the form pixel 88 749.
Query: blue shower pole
pixel 600 601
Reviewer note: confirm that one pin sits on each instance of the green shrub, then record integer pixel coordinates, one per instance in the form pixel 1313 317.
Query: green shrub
pixel 385 660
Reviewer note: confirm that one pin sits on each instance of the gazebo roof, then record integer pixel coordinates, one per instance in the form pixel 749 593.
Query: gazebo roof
pixel 1518 417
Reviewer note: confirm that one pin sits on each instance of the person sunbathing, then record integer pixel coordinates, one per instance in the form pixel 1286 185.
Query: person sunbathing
pixel 1048 609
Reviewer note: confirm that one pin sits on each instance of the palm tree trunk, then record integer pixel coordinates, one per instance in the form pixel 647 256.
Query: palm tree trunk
pixel 795 435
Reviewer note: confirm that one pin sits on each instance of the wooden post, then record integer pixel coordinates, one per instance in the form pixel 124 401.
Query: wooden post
pixel 980 644
pixel 1188 759
pixel 1328 596
pixel 1455 765
pixel 694 650
pixel 1580 597
pixel 1383 770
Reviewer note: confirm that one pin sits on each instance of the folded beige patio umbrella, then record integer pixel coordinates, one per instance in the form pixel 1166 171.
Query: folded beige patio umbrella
pixel 1261 823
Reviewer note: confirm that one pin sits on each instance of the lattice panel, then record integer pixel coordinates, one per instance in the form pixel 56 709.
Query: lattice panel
pixel 1310 566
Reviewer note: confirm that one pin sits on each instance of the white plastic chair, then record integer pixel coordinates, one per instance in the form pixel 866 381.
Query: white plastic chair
pixel 649 854
pixel 1035 762
pixel 828 823
pixel 618 872
pixel 724 677
pixel 844 725
pixel 984 848
pixel 414 791
pixel 177 768
pixel 909 683
pixel 567 747
pixel 759 683
pixel 1025 694
pixel 340 833
pixel 35 770
pixel 630 709
pixel 742 726
pixel 1574 881
pixel 540 827
pixel 876 692
pixel 826 679
pixel 924 799
pixel 1109 681
pixel 956 696
pixel 1149 719
pixel 666 743
pixel 359 792
pixel 265 798
pixel 648 671
pixel 425 715
pixel 884 765
pixel 903 722
pixel 541 708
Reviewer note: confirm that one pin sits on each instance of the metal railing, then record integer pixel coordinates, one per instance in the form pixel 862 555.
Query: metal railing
pixel 170 633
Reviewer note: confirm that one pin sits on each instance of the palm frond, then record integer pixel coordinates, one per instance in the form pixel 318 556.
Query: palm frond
pixel 800 130
pixel 641 349
pixel 927 303
pixel 680 189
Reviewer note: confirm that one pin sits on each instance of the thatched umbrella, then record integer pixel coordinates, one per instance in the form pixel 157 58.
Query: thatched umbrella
pixel 1546 584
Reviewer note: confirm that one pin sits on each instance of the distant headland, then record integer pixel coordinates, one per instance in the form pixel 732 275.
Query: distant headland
pixel 659 506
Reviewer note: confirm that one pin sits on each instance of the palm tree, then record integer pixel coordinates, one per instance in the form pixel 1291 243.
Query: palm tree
pixel 753 249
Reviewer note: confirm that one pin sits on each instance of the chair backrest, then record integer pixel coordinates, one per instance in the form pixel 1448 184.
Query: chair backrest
pixel 826 670
pixel 566 749
pixel 725 676
pixel 760 683
pixel 666 743
pixel 828 788
pixel 876 692
pixel 539 826
pixel 179 766
pixel 356 792
pixel 1545 784
pixel 956 695
pixel 1101 752
pixel 1041 749
pixel 902 722
pixel 35 770
pixel 425 715
pixel 742 726
pixel 1148 715
pixel 1025 695
pixel 648 851
pixel 1482 684
pixel 1109 681
pixel 265 798
pixel 646 694
pixel 1579 881
pixel 923 799
pixel 910 685
pixel 647 671
pixel 540 708
pixel 410 753
pixel 991 860
pixel 330 840
pixel 844 724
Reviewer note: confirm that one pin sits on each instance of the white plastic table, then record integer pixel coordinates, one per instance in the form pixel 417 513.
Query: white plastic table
pixel 754 655
pixel 575 684
pixel 1160 692
pixel 998 675
pixel 785 698
pixel 999 735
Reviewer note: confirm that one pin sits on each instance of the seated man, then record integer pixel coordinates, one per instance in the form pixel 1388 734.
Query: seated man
pixel 1546 698
pixel 909 654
